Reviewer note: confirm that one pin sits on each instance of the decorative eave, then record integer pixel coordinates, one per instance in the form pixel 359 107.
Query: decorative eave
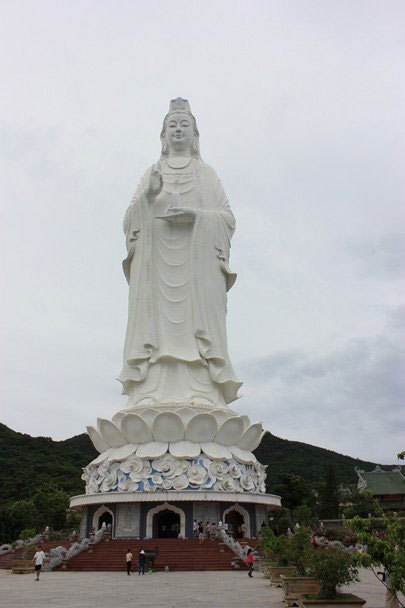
pixel 270 500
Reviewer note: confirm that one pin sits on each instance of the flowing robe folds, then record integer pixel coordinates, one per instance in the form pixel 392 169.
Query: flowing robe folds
pixel 178 275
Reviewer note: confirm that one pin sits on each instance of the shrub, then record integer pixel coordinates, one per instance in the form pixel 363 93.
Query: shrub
pixel 333 568
pixel 274 547
pixel 266 541
pixel 299 548
pixel 27 533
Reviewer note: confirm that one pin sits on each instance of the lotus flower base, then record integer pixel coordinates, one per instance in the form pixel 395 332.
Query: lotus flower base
pixel 172 446
pixel 135 474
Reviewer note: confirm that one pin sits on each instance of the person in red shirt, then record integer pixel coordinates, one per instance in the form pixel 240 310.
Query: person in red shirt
pixel 249 560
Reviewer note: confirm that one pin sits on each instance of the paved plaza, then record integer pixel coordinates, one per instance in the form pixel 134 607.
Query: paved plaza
pixel 158 590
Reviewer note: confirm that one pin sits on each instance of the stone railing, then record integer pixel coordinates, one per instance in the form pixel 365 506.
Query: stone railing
pixel 234 545
pixel 20 544
pixel 59 556
pixel 322 541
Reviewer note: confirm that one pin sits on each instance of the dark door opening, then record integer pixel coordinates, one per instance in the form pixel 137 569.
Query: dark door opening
pixel 107 518
pixel 166 524
pixel 234 519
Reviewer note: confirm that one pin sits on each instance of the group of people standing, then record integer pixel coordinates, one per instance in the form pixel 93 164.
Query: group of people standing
pixel 141 561
pixel 210 530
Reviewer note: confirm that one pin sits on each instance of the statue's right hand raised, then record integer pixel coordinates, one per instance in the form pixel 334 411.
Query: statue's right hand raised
pixel 155 182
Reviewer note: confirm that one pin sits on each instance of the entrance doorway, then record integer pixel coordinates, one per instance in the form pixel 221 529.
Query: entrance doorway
pixel 166 524
pixel 235 521
pixel 106 518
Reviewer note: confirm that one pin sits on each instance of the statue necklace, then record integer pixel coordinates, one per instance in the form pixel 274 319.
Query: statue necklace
pixel 179 162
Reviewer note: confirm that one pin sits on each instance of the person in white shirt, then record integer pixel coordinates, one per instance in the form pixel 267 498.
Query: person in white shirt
pixel 38 560
pixel 128 558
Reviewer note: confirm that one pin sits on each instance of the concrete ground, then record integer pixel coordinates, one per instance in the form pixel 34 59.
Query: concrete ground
pixel 158 590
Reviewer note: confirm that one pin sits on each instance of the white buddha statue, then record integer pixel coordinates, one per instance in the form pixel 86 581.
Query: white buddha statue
pixel 178 231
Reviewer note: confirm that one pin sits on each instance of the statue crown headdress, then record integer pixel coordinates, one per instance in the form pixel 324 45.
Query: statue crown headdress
pixel 179 105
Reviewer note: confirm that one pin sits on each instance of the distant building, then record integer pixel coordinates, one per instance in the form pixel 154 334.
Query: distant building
pixel 388 487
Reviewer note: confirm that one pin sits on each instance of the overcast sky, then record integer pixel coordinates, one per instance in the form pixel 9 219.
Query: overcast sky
pixel 300 106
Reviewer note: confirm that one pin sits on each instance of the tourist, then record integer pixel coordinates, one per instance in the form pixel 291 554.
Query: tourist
pixel 200 532
pixel 38 560
pixel 213 530
pixel 195 529
pixel 249 560
pixel 129 557
pixel 226 527
pixel 208 530
pixel 141 562
pixel 244 530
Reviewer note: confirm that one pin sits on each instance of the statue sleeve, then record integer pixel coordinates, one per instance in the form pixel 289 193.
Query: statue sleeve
pixel 133 222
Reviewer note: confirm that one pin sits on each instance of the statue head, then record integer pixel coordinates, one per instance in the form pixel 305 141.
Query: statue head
pixel 180 119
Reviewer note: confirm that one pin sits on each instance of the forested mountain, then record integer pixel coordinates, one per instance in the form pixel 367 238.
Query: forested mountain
pixel 28 462
pixel 307 461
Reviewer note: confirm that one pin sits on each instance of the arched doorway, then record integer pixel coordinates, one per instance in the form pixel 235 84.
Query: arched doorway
pixel 166 524
pixel 101 516
pixel 238 521
pixel 172 522
pixel 105 518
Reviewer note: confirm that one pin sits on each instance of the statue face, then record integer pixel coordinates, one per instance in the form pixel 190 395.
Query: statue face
pixel 179 132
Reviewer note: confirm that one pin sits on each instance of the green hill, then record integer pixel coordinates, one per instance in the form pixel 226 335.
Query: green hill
pixel 307 461
pixel 27 462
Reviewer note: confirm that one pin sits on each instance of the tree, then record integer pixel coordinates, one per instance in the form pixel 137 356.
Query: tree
pixel 329 495
pixel 293 490
pixel 304 515
pixel 52 504
pixel 363 505
pixel 23 514
pixel 387 550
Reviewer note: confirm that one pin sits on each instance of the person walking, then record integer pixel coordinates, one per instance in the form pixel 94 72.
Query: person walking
pixel 249 560
pixel 38 560
pixel 141 562
pixel 128 558
pixel 195 529
pixel 200 532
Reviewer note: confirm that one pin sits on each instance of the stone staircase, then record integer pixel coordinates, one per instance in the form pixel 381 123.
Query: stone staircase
pixel 177 554
pixel 7 560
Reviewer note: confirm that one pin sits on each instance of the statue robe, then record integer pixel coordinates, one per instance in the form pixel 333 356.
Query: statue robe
pixel 178 275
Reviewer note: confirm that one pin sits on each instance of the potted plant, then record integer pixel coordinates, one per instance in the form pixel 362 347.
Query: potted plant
pixel 282 559
pixel 274 555
pixel 333 568
pixel 265 548
pixel 296 585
